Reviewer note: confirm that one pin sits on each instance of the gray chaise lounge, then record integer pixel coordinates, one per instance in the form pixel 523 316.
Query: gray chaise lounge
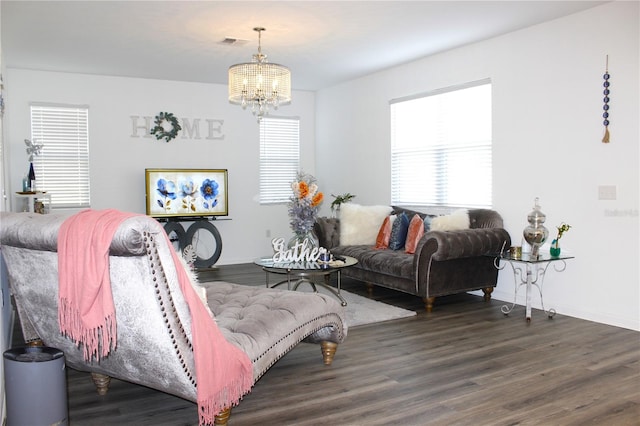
pixel 153 320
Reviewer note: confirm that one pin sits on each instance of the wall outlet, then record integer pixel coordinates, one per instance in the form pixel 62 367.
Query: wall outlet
pixel 607 192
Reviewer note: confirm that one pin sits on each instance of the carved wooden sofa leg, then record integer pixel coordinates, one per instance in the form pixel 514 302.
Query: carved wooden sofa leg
pixel 222 418
pixel 428 303
pixel 487 293
pixel 369 289
pixel 102 382
pixel 328 351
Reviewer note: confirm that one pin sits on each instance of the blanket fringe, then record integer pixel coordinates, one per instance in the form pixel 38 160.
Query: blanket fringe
pixel 227 398
pixel 224 372
pixel 97 342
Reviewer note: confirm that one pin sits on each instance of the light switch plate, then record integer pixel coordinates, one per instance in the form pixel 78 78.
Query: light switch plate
pixel 607 192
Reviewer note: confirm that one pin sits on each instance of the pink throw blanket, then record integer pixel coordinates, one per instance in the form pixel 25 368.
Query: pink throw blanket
pixel 86 311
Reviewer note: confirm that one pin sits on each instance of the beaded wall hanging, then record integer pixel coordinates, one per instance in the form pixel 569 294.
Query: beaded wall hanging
pixel 605 107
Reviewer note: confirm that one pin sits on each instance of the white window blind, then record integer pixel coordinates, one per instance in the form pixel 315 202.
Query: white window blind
pixel 441 148
pixel 62 168
pixel 279 158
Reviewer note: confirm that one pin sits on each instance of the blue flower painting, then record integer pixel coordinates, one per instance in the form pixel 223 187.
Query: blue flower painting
pixel 188 188
pixel 210 191
pixel 167 191
pixel 186 192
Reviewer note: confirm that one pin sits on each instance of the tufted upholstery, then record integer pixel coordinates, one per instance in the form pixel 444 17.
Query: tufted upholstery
pixel 153 321
pixel 267 323
pixel 445 262
pixel 393 262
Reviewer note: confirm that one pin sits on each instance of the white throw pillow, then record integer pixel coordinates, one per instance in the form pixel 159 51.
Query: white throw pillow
pixel 459 219
pixel 360 224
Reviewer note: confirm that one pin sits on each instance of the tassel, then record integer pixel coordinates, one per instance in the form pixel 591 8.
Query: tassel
pixel 606 93
pixel 605 139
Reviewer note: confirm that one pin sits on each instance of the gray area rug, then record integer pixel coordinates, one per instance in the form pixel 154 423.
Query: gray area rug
pixel 361 311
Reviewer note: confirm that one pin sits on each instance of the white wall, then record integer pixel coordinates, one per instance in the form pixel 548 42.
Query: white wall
pixel 118 160
pixel 547 128
pixel 547 94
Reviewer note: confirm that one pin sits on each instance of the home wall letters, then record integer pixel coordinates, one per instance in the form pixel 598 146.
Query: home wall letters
pixel 192 128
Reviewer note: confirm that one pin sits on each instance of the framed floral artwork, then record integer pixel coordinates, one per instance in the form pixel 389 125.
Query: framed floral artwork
pixel 186 192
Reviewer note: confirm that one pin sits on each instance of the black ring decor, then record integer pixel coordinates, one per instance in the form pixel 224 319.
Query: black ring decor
pixel 605 107
pixel 159 130
pixel 207 226
pixel 178 233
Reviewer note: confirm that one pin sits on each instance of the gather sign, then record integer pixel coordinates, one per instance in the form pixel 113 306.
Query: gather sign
pixel 301 251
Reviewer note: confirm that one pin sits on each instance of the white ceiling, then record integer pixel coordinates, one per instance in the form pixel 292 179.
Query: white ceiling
pixel 322 42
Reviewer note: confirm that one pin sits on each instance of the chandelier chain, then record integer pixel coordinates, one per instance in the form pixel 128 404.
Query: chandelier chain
pixel 259 30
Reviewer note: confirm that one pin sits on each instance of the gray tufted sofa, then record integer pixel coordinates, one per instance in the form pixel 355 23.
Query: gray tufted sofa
pixel 153 320
pixel 445 262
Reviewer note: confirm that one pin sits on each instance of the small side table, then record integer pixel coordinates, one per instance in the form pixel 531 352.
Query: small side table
pixel 529 272
pixel 32 197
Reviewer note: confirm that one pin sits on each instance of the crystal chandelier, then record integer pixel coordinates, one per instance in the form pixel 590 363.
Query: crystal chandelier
pixel 259 83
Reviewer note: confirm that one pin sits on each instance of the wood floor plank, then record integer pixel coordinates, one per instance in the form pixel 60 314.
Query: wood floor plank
pixel 465 363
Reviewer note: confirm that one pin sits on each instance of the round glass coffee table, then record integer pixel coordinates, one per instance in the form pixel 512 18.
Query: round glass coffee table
pixel 304 272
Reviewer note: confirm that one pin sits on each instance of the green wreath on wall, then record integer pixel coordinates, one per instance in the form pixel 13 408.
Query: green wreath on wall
pixel 159 130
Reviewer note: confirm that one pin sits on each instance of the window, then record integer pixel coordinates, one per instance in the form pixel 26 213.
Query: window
pixel 62 168
pixel 441 148
pixel 279 158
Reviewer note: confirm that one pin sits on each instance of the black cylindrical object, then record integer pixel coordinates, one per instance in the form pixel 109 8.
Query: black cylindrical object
pixel 35 386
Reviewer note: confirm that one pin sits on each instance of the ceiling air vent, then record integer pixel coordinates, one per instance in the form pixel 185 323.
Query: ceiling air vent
pixel 233 41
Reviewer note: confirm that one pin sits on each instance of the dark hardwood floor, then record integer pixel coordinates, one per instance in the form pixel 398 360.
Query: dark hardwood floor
pixel 463 364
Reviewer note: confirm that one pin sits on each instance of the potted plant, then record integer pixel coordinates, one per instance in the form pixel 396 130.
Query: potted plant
pixel 555 244
pixel 339 199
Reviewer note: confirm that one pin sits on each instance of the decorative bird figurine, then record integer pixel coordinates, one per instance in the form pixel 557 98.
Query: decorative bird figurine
pixel 33 148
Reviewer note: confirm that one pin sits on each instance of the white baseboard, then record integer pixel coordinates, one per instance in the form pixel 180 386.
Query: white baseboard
pixel 565 309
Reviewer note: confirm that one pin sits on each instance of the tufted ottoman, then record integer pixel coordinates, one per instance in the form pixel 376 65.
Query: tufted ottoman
pixel 267 323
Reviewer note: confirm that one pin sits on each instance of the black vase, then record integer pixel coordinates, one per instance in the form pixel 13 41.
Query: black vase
pixel 32 178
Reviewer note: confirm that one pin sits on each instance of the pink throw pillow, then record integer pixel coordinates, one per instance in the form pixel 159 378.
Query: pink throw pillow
pixel 384 234
pixel 416 231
